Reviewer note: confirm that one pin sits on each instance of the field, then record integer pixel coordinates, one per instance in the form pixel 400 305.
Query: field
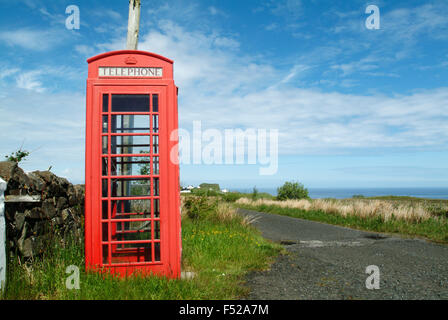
pixel 424 218
pixel 219 246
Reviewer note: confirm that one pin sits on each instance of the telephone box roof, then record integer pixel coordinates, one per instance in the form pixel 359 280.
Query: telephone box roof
pixel 117 52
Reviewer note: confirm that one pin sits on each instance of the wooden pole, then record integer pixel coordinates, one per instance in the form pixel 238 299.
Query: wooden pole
pixel 128 121
pixel 133 25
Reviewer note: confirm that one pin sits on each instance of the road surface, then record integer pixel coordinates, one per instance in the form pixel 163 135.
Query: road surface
pixel 329 262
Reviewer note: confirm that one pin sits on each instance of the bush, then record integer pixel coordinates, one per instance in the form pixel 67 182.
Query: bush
pixel 210 186
pixel 255 194
pixel 231 196
pixel 199 207
pixel 292 190
pixel 18 156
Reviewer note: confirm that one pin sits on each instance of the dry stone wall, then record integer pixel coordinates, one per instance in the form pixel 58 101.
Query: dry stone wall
pixel 55 212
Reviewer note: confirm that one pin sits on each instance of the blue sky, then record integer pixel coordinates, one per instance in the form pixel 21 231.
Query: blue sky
pixel 354 107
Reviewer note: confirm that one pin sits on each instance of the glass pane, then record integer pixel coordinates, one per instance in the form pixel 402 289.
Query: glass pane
pixel 130 166
pixel 104 210
pixel 155 103
pixel 130 144
pixel 105 124
pixel 105 231
pixel 104 166
pixel 105 254
pixel 155 123
pixel 125 209
pixel 156 208
pixel 157 251
pixel 155 144
pixel 156 186
pixel 157 230
pixel 131 231
pixel 104 147
pixel 130 187
pixel 128 253
pixel 104 188
pixel 155 165
pixel 130 103
pixel 130 123
pixel 105 102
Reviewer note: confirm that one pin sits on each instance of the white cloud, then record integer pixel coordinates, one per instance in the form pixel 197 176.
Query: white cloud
pixel 213 10
pixel 226 89
pixel 50 125
pixel 28 81
pixel 271 26
pixel 7 72
pixel 39 40
pixel 84 49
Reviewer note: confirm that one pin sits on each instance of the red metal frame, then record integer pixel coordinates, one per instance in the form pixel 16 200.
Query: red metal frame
pixel 104 247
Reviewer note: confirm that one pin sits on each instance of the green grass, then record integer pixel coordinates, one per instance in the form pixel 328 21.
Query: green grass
pixel 219 252
pixel 435 229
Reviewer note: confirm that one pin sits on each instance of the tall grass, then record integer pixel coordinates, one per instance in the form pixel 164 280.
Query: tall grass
pixel 218 246
pixel 363 208
pixel 410 218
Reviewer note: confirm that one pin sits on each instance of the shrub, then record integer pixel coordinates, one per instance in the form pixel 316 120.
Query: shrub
pixel 210 186
pixel 292 190
pixel 255 193
pixel 199 207
pixel 18 156
pixel 231 196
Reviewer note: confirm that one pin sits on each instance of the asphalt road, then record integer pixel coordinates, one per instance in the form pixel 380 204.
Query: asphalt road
pixel 329 262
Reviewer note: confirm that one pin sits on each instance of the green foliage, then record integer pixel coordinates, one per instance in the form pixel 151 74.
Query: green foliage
pixel 292 190
pixel 199 207
pixel 145 168
pixel 205 192
pixel 219 254
pixel 18 156
pixel 358 196
pixel 255 193
pixel 210 186
pixel 232 196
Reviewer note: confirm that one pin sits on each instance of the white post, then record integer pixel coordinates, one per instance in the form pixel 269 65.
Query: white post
pixel 2 235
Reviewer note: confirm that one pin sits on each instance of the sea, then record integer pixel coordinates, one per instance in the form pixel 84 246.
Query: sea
pixel 344 193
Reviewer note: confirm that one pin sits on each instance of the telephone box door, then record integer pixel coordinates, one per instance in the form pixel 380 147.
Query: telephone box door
pixel 134 223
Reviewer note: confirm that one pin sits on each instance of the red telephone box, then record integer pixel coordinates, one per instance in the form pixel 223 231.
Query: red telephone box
pixel 132 202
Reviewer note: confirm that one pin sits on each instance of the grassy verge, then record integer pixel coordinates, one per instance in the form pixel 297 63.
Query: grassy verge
pixel 218 245
pixel 433 227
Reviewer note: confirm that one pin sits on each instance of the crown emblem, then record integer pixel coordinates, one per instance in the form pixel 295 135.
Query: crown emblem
pixel 130 60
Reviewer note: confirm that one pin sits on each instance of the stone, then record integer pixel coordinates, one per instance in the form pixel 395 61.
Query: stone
pixel 19 220
pixel 187 275
pixel 47 176
pixel 48 208
pixel 66 214
pixel 7 169
pixel 27 248
pixel 21 240
pixel 32 224
pixel 35 213
pixel 37 182
pixel 61 203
